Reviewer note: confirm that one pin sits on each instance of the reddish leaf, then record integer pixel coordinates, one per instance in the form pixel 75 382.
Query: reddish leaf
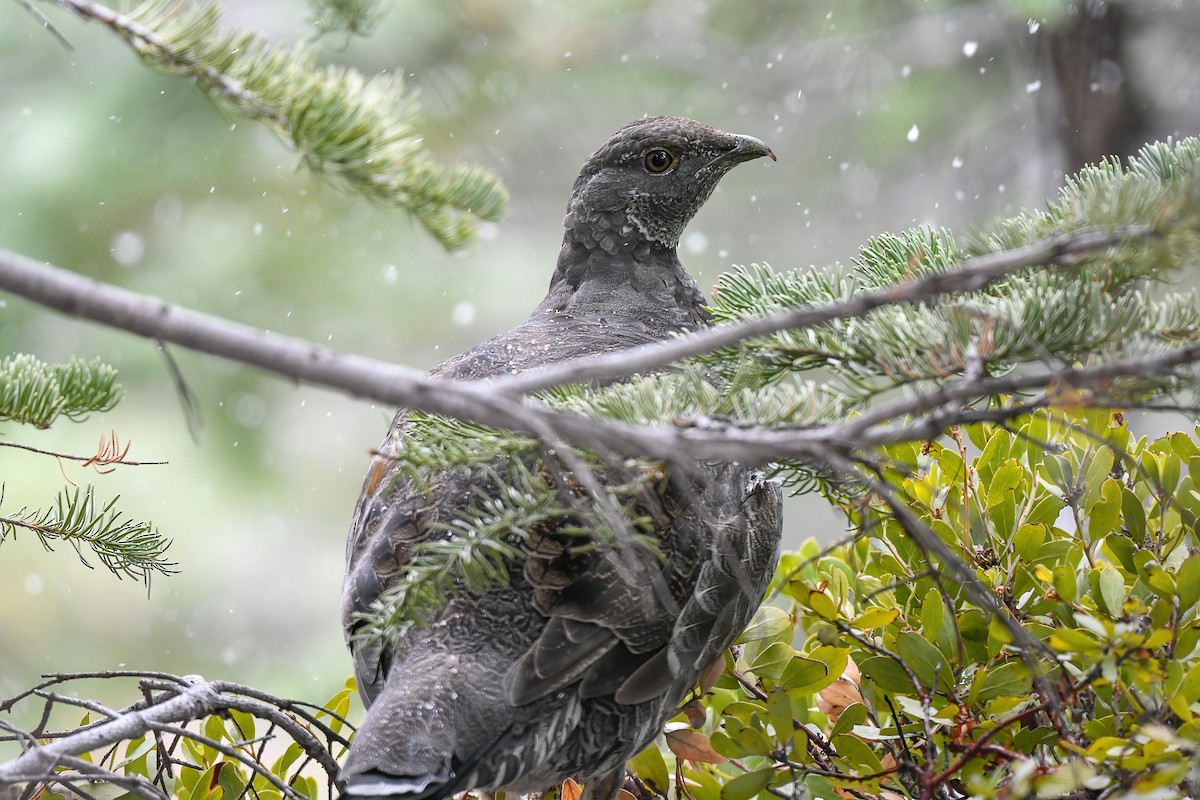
pixel 695 713
pixel 710 674
pixel 693 746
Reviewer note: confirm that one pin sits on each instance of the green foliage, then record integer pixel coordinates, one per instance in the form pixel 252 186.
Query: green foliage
pixel 1095 310
pixel 896 684
pixel 875 674
pixel 358 17
pixel 1098 308
pixel 36 393
pixel 512 495
pixel 356 132
pixel 125 547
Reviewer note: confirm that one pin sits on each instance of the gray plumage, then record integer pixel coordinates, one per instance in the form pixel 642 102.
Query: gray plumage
pixel 573 668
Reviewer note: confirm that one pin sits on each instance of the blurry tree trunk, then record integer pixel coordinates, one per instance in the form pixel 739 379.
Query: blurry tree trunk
pixel 1099 112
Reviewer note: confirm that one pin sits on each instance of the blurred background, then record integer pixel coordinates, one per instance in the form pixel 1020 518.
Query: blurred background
pixel 884 114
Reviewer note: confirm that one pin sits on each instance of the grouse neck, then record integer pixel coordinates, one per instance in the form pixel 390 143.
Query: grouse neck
pixel 654 288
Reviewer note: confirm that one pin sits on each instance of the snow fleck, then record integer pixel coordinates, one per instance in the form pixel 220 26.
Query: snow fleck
pixel 26 112
pixel 914 133
pixel 1032 87
pixel 970 48
pixel 1033 25
pixel 722 254
pixel 696 243
pixel 390 273
pixel 463 313
pixel 127 248
pixel 257 228
pixel 957 162
pixel 34 584
pixel 905 71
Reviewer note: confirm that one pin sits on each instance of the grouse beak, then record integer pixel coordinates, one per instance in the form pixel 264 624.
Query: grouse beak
pixel 747 149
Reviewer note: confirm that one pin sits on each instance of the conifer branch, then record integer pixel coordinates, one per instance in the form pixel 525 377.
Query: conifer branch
pixel 36 393
pixel 358 17
pixel 974 274
pixel 127 548
pixel 356 132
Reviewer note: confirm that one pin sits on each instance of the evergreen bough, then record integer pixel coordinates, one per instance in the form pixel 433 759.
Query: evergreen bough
pixel 35 393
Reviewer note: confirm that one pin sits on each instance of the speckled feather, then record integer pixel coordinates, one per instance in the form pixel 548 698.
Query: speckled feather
pixel 572 668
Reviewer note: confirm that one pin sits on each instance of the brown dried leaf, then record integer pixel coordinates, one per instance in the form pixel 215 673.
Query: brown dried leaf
pixel 693 746
pixel 710 673
pixel 625 794
pixel 570 790
pixel 851 672
pixel 696 713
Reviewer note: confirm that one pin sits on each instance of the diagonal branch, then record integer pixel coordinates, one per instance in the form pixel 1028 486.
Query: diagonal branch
pixel 972 275
pixel 493 403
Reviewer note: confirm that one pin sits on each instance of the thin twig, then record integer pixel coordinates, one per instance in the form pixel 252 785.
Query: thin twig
pixel 88 461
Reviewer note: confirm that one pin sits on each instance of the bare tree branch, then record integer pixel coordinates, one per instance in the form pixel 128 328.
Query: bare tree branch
pixel 492 402
pixel 180 699
pixel 972 275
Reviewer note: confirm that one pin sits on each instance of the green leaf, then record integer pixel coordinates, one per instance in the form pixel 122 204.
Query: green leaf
pixel 932 615
pixel 925 660
pixel 779 713
pixel 1098 468
pixel 1161 582
pixel 1066 583
pixel 1074 640
pixel 1112 590
pixel 768 622
pixel 1007 478
pixel 1010 680
pixel 1028 540
pixel 1134 514
pixel 1064 780
pixel 1104 517
pixel 650 766
pixel 858 755
pixel 821 604
pixel 1121 548
pixel 875 618
pixel 806 676
pixel 1187 577
pixel 853 714
pixel 743 787
pixel 887 675
pixel 1190 686
pixel 772 661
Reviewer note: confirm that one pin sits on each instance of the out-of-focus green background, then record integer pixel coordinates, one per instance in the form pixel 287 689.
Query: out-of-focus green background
pixel 884 114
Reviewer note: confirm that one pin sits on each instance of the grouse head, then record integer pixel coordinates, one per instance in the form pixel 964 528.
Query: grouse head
pixel 638 191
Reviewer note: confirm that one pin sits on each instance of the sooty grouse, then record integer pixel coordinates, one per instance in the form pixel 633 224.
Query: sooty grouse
pixel 574 666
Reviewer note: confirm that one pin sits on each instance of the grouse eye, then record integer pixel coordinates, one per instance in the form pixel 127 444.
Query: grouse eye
pixel 659 161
